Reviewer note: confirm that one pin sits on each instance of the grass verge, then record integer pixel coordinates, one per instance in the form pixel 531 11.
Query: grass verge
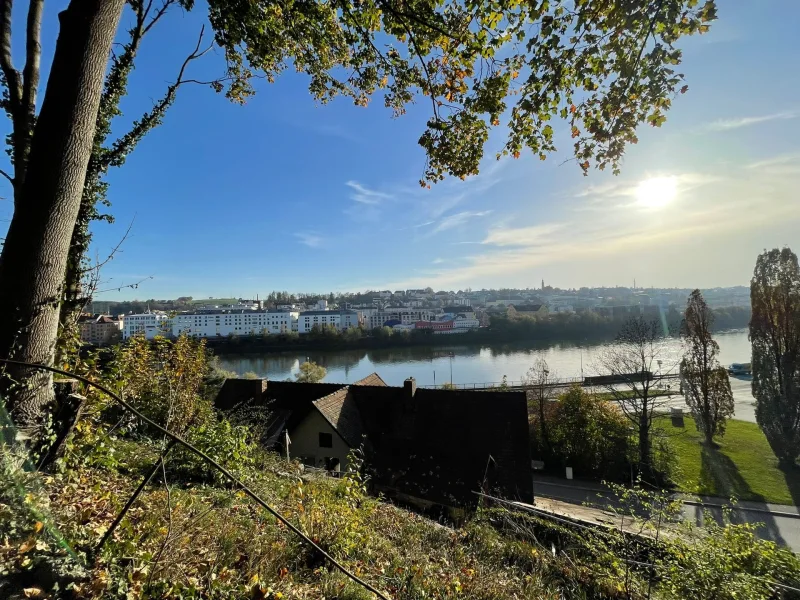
pixel 743 466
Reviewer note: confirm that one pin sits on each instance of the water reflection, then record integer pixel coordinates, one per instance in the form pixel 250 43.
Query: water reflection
pixel 470 364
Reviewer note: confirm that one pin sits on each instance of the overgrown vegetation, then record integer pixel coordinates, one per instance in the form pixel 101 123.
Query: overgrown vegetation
pixel 191 535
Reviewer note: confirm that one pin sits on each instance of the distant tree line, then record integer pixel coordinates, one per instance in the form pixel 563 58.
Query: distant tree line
pixel 575 327
pixel 591 325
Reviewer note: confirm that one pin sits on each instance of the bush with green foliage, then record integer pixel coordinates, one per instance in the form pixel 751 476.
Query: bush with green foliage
pixel 586 433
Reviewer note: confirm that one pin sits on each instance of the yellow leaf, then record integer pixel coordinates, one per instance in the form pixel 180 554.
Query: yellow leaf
pixel 33 592
pixel 27 546
pixel 38 527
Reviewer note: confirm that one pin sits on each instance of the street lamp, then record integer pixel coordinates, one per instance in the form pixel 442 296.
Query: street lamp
pixel 451 368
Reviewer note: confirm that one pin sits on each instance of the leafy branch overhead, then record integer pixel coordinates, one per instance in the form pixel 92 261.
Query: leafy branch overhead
pixel 604 66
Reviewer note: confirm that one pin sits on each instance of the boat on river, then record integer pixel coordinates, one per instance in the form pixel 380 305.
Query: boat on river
pixel 741 370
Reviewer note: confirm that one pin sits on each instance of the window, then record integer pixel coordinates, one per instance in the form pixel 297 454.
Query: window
pixel 325 440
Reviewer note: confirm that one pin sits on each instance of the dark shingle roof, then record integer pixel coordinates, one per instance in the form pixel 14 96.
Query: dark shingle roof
pixel 437 444
pixel 458 309
pixel 527 307
pixel 286 402
pixel 238 392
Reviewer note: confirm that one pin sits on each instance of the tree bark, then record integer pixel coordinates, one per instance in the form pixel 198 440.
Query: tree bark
pixel 34 257
pixel 644 443
pixel 542 424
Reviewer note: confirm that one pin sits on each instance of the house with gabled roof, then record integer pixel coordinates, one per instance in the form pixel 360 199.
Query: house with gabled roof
pixel 428 447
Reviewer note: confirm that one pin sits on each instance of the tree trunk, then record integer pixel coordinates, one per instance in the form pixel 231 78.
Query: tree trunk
pixel 72 302
pixel 34 257
pixel 644 444
pixel 542 424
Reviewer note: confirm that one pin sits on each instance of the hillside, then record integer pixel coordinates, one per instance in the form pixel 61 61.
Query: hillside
pixel 184 538
pixel 194 532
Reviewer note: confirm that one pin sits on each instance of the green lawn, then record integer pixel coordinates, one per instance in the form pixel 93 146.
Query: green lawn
pixel 743 466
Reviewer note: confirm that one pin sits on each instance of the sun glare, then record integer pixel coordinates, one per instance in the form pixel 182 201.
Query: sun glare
pixel 656 192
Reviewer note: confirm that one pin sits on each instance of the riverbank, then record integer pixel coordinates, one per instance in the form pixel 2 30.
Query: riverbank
pixel 577 328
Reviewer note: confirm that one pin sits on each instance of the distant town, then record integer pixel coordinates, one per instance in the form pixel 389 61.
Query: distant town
pixel 437 312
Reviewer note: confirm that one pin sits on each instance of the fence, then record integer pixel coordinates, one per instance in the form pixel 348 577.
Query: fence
pixel 562 382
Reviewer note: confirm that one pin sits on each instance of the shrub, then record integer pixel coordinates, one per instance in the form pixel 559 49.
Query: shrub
pixel 230 445
pixel 588 434
pixel 164 379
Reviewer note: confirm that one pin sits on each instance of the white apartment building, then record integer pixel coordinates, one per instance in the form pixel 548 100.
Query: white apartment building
pixel 406 316
pixel 241 322
pixel 465 323
pixel 147 324
pixel 341 319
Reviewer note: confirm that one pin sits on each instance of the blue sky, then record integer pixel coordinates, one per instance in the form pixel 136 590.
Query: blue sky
pixel 286 194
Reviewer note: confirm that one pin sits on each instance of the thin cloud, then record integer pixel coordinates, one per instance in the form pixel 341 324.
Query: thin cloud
pixel 312 240
pixel 615 194
pixel 740 203
pixel 784 164
pixel 608 190
pixel 738 123
pixel 336 131
pixel 364 195
pixel 525 236
pixel 457 219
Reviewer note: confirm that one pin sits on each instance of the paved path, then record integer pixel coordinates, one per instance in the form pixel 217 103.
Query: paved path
pixel 743 401
pixel 781 523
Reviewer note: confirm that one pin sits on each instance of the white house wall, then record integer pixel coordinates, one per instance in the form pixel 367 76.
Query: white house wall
pixel 305 441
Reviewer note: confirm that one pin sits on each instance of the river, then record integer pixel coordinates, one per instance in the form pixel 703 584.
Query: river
pixel 477 364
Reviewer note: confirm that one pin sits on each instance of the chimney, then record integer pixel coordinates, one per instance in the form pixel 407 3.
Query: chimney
pixel 409 388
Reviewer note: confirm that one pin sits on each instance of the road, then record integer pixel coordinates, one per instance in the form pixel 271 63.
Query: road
pixel 781 523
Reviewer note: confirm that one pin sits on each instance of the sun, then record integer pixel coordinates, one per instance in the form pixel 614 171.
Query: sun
pixel 656 192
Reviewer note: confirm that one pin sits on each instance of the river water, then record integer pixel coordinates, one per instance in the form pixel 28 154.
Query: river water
pixel 476 364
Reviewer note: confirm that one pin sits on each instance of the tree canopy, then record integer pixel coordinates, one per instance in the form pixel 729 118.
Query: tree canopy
pixel 604 66
pixel 775 337
pixel 706 385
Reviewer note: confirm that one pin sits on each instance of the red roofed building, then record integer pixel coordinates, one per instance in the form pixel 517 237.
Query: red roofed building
pixel 435 325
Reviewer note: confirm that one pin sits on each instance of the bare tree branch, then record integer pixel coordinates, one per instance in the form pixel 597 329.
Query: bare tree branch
pixel 6 64
pixel 126 286
pixel 121 147
pixel 99 265
pixel 159 13
pixel 7 176
pixel 413 41
pixel 33 54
